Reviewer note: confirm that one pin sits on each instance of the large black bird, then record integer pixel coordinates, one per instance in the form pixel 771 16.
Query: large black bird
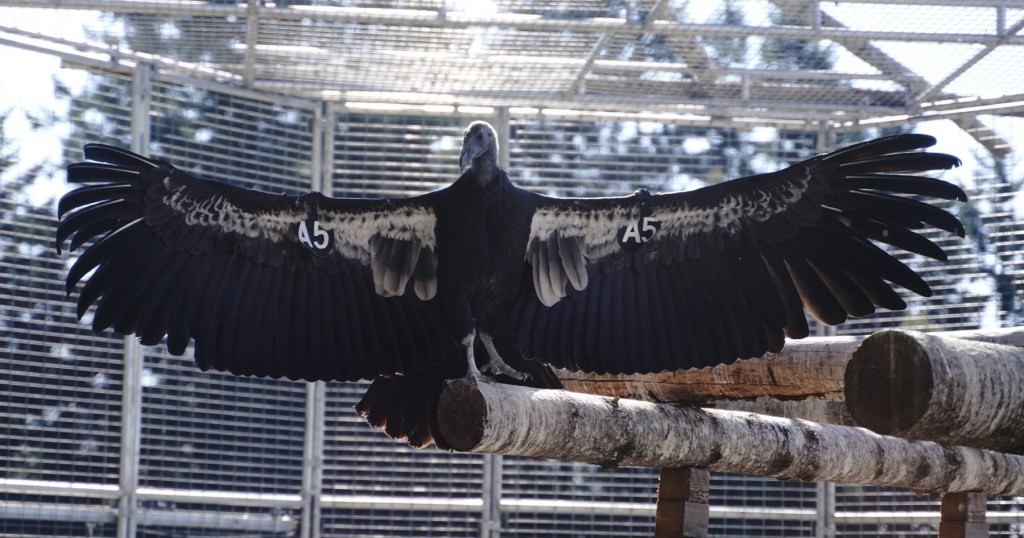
pixel 408 292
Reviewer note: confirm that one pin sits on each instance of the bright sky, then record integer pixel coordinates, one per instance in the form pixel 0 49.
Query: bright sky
pixel 26 93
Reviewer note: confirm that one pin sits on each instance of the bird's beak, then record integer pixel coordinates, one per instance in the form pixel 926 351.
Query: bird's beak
pixel 467 155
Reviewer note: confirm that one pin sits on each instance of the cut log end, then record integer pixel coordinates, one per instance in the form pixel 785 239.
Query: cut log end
pixel 889 382
pixel 465 412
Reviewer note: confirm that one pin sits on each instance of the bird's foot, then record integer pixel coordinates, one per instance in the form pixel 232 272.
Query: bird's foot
pixel 496 367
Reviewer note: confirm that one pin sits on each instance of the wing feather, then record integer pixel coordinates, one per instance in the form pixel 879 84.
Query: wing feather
pixel 251 276
pixel 735 265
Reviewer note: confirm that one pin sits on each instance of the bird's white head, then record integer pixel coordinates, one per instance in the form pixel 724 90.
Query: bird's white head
pixel 480 152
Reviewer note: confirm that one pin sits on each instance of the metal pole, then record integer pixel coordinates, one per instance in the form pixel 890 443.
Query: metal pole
pixel 329 121
pixel 313 449
pixel 131 386
pixel 312 459
pixel 486 513
pixel 501 124
pixel 251 38
pixel 825 525
pixel 490 509
pixel 317 157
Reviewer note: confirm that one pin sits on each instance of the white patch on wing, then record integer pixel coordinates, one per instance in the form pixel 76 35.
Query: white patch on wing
pixel 352 231
pixel 596 228
pixel 217 212
pixel 758 206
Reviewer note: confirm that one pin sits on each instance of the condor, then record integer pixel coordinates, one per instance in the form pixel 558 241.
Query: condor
pixel 483 274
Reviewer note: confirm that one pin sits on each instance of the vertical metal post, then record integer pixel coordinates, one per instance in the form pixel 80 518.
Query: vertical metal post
pixel 490 522
pixel 322 134
pixel 328 119
pixel 486 508
pixel 319 126
pixel 142 103
pixel 502 125
pixel 490 510
pixel 131 385
pixel 312 458
pixel 252 20
pixel 825 525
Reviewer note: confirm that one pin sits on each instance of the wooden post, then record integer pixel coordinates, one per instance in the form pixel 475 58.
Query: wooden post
pixel 963 515
pixel 926 386
pixel 682 510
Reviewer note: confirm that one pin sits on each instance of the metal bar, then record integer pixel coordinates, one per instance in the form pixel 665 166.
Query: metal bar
pixel 131 400
pixel 224 10
pixel 367 502
pixel 34 511
pixel 62 489
pixel 252 21
pixel 209 520
pixel 325 118
pixel 317 164
pixel 989 49
pixel 107 53
pixel 456 20
pixel 312 458
pixel 330 114
pixel 131 429
pixel 503 126
pixel 488 518
pixel 825 525
pixel 226 498
pixel 99 59
pixel 581 75
pixel 578 84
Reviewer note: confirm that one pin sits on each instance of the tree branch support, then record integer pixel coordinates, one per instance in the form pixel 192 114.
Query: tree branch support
pixel 503 419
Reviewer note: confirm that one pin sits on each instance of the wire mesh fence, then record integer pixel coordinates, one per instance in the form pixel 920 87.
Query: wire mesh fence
pixel 99 437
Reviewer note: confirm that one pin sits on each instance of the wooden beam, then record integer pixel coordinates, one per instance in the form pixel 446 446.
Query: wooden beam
pixel 939 388
pixel 812 368
pixel 682 510
pixel 963 515
pixel 504 419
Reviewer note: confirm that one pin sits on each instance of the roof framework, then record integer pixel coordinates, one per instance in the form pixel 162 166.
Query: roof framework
pixel 645 57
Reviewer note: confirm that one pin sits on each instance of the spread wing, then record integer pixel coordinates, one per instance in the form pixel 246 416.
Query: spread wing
pixel 272 285
pixel 646 283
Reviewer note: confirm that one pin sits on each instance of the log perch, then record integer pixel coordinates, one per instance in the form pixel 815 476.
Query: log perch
pixel 503 419
pixel 812 368
pixel 939 388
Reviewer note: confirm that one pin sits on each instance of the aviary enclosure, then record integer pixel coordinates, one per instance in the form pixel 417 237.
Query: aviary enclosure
pixel 103 437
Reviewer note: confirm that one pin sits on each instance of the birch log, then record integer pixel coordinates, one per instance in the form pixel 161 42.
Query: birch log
pixel 503 419
pixel 939 388
pixel 812 368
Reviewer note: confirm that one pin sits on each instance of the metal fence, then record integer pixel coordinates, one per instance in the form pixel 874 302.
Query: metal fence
pixel 102 437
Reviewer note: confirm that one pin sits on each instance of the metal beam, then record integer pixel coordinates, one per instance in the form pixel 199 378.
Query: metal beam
pixel 934 90
pixel 202 8
pixel 457 20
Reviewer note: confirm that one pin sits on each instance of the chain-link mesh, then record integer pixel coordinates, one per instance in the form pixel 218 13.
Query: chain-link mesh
pixel 603 97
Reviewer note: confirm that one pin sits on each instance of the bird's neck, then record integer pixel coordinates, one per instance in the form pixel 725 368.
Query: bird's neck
pixel 486 171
